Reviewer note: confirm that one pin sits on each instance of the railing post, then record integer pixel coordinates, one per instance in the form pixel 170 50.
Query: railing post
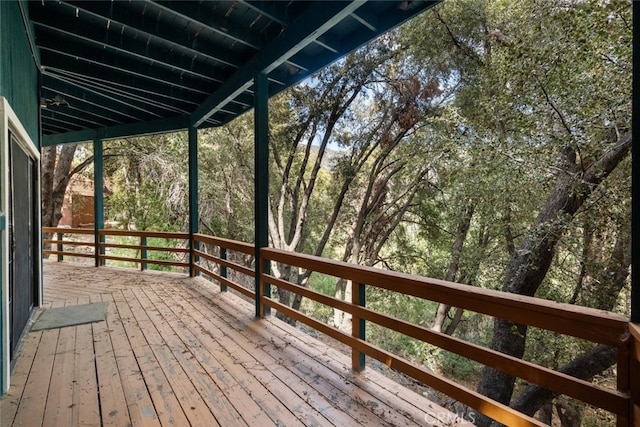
pixel 223 268
pixel 634 372
pixel 60 246
pixel 143 252
pixel 359 298
pixel 98 199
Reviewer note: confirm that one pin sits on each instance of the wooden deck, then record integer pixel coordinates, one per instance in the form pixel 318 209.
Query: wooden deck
pixel 176 351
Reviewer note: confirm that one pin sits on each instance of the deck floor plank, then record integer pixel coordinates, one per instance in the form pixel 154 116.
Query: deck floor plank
pixel 32 405
pixel 350 398
pixel 86 407
pixel 19 377
pixel 336 406
pixel 59 406
pixel 269 397
pixel 247 410
pixel 188 350
pixel 113 403
pixel 139 402
pixel 176 351
pixel 178 394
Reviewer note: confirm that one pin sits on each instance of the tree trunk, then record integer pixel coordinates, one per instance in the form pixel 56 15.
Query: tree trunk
pixel 531 261
pixel 454 263
pixel 284 296
pixel 584 367
pixel 56 173
pixel 613 277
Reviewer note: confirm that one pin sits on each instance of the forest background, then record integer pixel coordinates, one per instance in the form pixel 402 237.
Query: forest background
pixel 484 142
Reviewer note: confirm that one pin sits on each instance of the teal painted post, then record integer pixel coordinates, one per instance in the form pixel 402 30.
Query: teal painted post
pixel 98 200
pixel 261 182
pixel 193 199
pixel 358 297
pixel 143 253
pixel 223 268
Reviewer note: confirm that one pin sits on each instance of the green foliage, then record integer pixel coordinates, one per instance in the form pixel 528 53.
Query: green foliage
pixel 148 183
pixel 478 99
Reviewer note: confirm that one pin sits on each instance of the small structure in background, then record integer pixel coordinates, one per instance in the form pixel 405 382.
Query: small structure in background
pixel 78 209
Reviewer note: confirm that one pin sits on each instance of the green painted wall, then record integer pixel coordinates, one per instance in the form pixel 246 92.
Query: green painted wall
pixel 18 70
pixel 19 85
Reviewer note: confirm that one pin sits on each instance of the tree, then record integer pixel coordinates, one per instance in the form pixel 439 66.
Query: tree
pixel 149 180
pixel 56 170
pixel 546 86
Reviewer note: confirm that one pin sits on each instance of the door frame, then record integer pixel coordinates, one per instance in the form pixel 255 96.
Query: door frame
pixel 9 122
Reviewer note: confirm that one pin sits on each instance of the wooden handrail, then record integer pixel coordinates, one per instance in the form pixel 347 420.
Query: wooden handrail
pixel 230 264
pixel 245 248
pixel 607 399
pixel 143 260
pixel 581 322
pixel 144 233
pixel 139 247
pixel 634 372
pixel 67 230
pixel 590 324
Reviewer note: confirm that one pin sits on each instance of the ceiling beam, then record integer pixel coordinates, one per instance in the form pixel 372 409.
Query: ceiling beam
pixel 107 62
pixel 313 22
pixel 158 97
pixel 178 38
pixel 171 124
pixel 95 37
pixel 201 13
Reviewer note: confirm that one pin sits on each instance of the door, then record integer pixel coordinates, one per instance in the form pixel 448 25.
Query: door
pixel 22 235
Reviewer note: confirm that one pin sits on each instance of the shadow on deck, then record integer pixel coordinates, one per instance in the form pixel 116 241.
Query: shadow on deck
pixel 176 351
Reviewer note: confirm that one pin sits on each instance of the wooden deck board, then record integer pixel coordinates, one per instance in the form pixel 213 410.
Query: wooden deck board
pixel 335 405
pixel 176 351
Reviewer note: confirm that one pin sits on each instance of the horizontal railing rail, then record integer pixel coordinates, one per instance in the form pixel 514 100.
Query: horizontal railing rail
pixel 60 242
pixel 222 261
pixel 589 324
pixel 230 262
pixel 142 248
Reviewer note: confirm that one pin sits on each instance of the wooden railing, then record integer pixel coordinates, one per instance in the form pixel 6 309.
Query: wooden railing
pixel 216 258
pixel 58 240
pixel 144 253
pixel 589 324
pixel 221 258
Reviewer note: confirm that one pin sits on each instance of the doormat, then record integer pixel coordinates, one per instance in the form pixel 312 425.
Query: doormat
pixel 72 315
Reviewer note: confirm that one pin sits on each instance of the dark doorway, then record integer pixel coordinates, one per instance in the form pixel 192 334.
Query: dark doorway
pixel 23 267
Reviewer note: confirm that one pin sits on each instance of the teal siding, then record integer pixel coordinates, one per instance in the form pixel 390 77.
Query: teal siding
pixel 19 85
pixel 18 70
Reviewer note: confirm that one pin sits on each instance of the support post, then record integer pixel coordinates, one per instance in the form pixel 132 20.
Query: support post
pixel 193 199
pixel 143 253
pixel 635 174
pixel 358 297
pixel 261 182
pixel 60 246
pixel 98 201
pixel 223 268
